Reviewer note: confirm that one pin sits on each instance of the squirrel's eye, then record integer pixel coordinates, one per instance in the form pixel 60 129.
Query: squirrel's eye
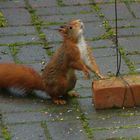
pixel 70 27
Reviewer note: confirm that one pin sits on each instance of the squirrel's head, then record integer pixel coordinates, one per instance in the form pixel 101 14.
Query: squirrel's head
pixel 73 29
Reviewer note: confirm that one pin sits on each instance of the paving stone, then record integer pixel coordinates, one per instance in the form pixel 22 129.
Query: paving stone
pixel 129 134
pixel 103 1
pixel 129 31
pixel 15 104
pixel 131 44
pixel 84 92
pixel 15 39
pixel 134 58
pixel 136 8
pixel 108 65
pixel 64 10
pixel 17 16
pixel 137 66
pixel 123 12
pixel 32 53
pixel 24 117
pixel 52 35
pixel 93 30
pixel 81 83
pixel 100 44
pixel 17 30
pixel 37 66
pixel 104 52
pixel 110 118
pixel 66 18
pixel 42 3
pixel 70 130
pixel 126 23
pixel 76 2
pixel 5 55
pixel 27 132
pixel 12 4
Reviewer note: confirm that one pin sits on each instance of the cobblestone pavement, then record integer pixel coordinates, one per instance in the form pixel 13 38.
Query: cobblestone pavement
pixel 28 35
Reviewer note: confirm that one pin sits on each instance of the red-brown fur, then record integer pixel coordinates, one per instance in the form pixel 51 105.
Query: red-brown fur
pixel 58 77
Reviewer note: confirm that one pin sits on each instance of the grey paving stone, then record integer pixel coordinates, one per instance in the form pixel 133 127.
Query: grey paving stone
pixel 52 35
pixel 126 23
pixel 100 44
pixel 131 44
pixel 103 1
pixel 129 31
pixel 12 4
pixel 129 134
pixel 24 117
pixel 109 118
pixel 64 10
pixel 134 58
pixel 76 2
pixel 17 16
pixel 43 3
pixel 66 18
pixel 27 132
pixel 32 53
pixel 19 104
pixel 104 52
pixel 84 92
pixel 108 65
pixel 5 55
pixel 20 39
pixel 123 12
pixel 17 30
pixel 81 83
pixel 87 107
pixel 70 130
pixel 93 30
pixel 135 7
pixel 137 66
pixel 37 66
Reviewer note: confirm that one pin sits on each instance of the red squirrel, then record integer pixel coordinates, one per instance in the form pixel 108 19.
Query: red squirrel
pixel 58 77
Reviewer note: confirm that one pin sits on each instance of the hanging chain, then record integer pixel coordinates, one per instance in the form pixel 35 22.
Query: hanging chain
pixel 116 42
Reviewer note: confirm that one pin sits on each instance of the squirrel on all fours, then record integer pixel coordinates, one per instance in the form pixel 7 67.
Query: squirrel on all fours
pixel 58 77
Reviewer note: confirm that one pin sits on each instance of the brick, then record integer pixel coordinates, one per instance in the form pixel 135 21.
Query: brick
pixel 114 92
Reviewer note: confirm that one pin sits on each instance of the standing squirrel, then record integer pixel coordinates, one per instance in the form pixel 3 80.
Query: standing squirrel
pixel 58 77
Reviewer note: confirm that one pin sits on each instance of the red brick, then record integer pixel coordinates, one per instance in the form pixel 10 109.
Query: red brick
pixel 117 92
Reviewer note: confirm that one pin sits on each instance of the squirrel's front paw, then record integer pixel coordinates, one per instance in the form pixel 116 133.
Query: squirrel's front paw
pixel 101 76
pixel 87 75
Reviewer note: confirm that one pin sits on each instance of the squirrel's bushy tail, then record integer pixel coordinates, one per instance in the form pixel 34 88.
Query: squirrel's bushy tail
pixel 20 76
